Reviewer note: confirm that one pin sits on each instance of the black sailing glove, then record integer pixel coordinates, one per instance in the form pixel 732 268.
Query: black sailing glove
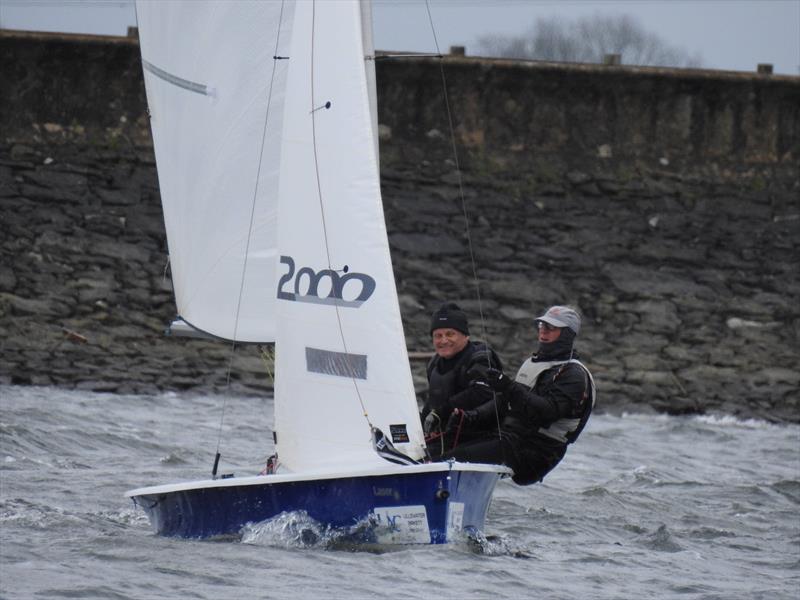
pixel 477 372
pixel 497 380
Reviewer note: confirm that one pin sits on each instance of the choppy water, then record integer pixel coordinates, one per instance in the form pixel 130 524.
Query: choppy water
pixel 642 507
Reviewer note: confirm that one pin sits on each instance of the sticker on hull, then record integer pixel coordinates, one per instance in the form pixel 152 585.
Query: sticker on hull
pixel 402 525
pixel 455 519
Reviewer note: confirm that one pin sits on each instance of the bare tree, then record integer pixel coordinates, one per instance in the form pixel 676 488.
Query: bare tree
pixel 589 39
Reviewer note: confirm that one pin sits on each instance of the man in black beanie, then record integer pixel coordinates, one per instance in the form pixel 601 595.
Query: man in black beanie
pixel 456 377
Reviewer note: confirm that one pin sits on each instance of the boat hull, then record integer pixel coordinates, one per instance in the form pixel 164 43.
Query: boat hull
pixel 428 504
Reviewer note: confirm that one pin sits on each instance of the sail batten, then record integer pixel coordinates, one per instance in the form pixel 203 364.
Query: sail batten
pixel 198 88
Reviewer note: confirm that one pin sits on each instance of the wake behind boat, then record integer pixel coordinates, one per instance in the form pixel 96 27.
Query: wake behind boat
pixel 264 121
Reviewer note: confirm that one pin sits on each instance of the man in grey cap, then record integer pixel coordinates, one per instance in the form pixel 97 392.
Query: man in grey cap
pixel 545 408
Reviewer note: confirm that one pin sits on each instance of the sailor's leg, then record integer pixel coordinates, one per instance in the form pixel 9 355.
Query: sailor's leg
pixel 492 451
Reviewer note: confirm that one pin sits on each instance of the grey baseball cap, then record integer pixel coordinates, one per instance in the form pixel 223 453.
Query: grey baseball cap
pixel 562 316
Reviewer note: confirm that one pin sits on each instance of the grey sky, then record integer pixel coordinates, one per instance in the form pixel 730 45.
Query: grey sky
pixel 726 34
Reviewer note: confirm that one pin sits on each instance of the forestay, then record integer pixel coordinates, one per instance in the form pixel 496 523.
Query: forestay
pixel 215 94
pixel 341 361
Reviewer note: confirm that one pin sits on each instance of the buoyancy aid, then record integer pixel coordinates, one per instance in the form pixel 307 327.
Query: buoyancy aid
pixel 567 429
pixel 442 385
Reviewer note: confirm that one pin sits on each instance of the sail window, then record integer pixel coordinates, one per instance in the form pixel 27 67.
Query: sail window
pixel 341 364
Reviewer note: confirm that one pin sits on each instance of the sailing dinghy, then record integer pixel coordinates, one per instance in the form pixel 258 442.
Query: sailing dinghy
pixel 264 124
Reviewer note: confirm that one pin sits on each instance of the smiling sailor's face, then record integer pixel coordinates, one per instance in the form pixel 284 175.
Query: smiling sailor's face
pixel 448 342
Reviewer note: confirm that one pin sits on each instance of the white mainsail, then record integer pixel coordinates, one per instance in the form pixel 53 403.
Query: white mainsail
pixel 341 362
pixel 215 94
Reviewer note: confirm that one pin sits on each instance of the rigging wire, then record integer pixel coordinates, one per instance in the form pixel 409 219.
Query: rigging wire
pixel 275 58
pixel 463 202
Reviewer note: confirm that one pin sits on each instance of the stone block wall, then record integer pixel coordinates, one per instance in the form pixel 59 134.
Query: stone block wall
pixel 661 203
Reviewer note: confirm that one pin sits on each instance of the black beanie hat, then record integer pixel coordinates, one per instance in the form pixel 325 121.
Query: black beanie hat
pixel 450 316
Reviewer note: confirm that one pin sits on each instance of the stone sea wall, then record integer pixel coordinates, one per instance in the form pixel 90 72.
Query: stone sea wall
pixel 663 204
